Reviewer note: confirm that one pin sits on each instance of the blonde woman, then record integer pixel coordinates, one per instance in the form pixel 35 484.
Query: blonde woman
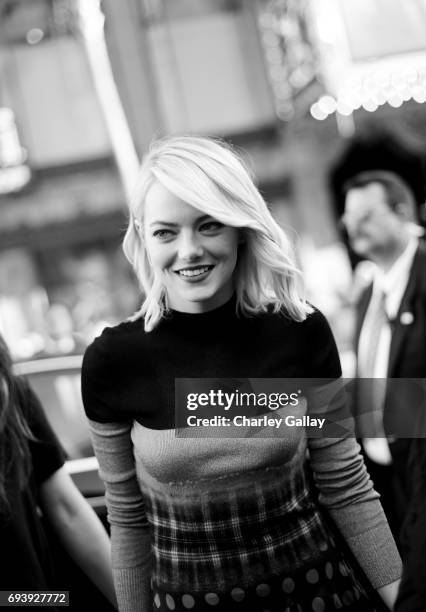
pixel 222 523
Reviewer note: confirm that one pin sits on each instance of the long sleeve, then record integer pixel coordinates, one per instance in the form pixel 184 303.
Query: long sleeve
pixel 130 536
pixel 101 385
pixel 344 486
pixel 347 492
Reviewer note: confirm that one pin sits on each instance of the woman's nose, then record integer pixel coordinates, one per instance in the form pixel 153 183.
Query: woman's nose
pixel 190 247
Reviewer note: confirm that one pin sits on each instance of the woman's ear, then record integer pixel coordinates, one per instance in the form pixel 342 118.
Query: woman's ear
pixel 138 225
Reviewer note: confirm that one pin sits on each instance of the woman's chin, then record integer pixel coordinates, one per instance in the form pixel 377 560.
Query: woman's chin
pixel 198 299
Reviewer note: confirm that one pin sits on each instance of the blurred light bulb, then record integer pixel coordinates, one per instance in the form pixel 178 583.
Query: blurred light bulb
pixel 380 97
pixel 346 95
pixel 397 81
pixel 370 105
pixel 327 104
pixel 419 94
pixel 317 113
pixel 354 82
pixel 355 102
pixel 34 36
pixel 406 93
pixel 382 79
pixel 395 100
pixel 343 108
pixel 411 75
pixel 370 84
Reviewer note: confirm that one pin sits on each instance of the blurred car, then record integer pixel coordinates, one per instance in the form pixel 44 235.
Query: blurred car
pixel 56 381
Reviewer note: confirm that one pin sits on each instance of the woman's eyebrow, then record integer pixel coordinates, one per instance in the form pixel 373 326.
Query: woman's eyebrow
pixel 203 218
pixel 170 224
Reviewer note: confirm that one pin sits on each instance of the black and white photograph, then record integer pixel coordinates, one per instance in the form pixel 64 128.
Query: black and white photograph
pixel 213 305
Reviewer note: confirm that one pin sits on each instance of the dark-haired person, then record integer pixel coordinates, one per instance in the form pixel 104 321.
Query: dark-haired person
pixel 33 479
pixel 380 217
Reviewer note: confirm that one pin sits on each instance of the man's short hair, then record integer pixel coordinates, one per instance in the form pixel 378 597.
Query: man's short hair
pixel 396 189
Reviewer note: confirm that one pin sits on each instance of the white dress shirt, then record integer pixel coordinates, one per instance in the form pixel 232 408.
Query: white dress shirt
pixel 392 284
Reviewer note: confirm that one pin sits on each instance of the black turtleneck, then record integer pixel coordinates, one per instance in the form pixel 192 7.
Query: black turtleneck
pixel 129 373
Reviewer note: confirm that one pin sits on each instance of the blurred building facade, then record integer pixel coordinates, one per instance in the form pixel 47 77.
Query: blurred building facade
pixel 59 230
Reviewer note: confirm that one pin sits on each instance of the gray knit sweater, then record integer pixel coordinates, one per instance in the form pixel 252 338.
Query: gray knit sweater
pixel 128 380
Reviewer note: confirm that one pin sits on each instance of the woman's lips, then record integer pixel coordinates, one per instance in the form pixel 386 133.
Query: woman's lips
pixel 194 273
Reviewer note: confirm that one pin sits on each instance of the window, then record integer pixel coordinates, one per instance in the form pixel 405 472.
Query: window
pixel 208 65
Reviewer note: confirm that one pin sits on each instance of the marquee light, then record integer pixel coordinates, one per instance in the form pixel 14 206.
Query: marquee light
pixel 372 52
pixel 371 92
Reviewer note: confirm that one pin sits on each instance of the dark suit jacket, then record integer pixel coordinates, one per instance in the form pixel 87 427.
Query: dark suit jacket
pixel 412 593
pixel 405 409
pixel 407 357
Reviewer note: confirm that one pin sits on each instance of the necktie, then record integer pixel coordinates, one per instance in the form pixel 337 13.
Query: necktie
pixel 372 391
pixel 377 319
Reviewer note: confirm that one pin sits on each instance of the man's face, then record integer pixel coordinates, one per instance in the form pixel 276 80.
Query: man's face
pixel 373 227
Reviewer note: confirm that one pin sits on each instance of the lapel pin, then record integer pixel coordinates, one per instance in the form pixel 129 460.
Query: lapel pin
pixel 406 318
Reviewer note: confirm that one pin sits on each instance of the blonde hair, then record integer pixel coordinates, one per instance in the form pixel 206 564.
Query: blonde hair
pixel 208 175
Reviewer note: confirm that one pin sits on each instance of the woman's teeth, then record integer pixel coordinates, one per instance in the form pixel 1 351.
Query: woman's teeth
pixel 194 272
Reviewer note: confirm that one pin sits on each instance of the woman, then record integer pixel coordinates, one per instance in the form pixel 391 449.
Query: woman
pixel 33 477
pixel 222 523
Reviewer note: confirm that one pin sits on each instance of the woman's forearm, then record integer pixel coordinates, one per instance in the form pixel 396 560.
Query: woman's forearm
pixel 88 544
pixel 79 530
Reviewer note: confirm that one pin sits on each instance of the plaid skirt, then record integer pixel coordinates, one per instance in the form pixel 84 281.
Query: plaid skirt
pixel 252 541
pixel 318 587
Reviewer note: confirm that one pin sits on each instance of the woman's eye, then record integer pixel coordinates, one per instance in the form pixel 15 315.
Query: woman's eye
pixel 211 226
pixel 162 234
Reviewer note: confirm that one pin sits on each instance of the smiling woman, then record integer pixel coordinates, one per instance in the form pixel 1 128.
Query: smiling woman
pixel 184 179
pixel 194 254
pixel 223 522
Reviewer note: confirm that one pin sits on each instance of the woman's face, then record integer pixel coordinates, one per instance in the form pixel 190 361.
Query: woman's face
pixel 193 253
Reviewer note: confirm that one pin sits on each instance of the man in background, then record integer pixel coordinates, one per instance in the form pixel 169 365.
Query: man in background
pixel 375 235
pixel 380 219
